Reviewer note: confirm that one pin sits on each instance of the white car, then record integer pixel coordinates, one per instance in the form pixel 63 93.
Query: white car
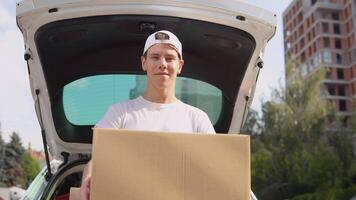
pixel 83 55
pixel 11 193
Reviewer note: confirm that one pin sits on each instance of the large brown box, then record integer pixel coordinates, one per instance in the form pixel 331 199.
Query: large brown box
pixel 74 193
pixel 141 165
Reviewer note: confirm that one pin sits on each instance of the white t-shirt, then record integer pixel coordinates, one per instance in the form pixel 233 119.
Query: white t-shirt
pixel 140 114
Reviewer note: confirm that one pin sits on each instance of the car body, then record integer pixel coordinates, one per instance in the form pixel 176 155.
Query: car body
pixel 83 55
pixel 12 193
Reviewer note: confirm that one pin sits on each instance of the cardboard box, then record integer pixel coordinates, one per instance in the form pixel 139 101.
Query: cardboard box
pixel 74 193
pixel 140 165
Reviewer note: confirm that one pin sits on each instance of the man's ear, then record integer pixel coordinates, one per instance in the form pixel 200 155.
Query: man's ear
pixel 143 60
pixel 181 63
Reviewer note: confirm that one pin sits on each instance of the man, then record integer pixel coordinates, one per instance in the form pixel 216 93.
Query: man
pixel 158 109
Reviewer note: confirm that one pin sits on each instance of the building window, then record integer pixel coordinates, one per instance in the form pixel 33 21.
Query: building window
pixel 338 43
pixel 331 90
pixel 345 121
pixel 301 30
pixel 327 57
pixel 340 73
pixel 335 16
pixel 341 90
pixel 329 74
pixel 325 27
pixel 342 105
pixel 310 50
pixel 336 28
pixel 302 57
pixel 304 70
pixel 350 41
pixel 300 17
pixel 311 62
pixel 352 71
pixel 314 46
pixel 338 58
pixel 326 42
pixel 295 36
pixel 317 60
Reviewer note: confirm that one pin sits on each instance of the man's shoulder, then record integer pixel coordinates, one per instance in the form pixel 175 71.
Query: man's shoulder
pixel 124 104
pixel 200 119
pixel 192 109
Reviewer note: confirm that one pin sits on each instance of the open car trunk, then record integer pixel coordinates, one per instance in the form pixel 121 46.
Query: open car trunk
pixel 67 41
pixel 70 43
pixel 76 48
pixel 84 55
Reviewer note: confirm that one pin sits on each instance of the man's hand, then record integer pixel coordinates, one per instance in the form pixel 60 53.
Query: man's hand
pixel 86 178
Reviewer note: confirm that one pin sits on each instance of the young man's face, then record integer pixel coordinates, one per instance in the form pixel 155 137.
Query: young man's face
pixel 162 64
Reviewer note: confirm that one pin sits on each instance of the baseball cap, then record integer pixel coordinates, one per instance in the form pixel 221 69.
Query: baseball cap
pixel 163 37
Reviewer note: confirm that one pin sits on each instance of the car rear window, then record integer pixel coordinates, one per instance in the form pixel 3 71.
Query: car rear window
pixel 86 100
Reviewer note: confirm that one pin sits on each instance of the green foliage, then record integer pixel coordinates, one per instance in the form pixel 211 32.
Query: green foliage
pixel 321 170
pixel 343 148
pixel 332 194
pixel 252 125
pixel 17 167
pixel 293 155
pixel 2 142
pixel 298 107
pixel 12 164
pixel 16 145
pixel 2 160
pixel 31 168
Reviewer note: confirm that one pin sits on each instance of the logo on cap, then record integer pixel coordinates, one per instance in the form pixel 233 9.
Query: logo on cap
pixel 161 36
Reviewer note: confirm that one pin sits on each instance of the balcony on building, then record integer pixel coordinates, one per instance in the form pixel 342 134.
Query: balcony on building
pixel 327 4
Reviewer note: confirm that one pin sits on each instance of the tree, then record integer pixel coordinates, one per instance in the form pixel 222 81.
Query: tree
pixel 2 142
pixel 17 167
pixel 252 125
pixel 2 160
pixel 12 163
pixel 294 154
pixel 16 145
pixel 31 168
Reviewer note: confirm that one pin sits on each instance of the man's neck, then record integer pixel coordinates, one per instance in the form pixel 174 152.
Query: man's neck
pixel 160 96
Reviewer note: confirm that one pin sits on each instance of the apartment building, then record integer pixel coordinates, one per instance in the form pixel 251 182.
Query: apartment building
pixel 321 33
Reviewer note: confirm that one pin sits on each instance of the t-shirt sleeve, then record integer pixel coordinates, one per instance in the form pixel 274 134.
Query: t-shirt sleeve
pixel 205 125
pixel 111 119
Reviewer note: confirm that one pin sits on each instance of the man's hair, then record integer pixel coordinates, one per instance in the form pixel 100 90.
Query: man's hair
pixel 180 58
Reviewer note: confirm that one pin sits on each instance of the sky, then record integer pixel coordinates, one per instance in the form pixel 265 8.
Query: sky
pixel 17 113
